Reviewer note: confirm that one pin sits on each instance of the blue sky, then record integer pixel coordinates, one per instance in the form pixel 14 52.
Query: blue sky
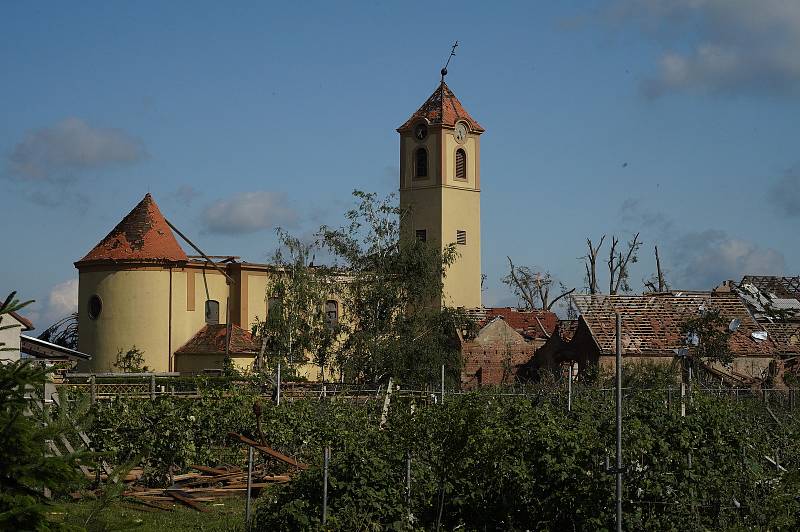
pixel 678 119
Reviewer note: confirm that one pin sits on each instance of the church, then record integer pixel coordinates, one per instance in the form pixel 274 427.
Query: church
pixel 186 313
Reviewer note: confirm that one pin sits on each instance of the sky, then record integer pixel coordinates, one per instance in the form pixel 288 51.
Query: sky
pixel 677 119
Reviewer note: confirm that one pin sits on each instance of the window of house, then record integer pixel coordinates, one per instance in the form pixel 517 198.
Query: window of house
pixel 274 307
pixel 331 313
pixel 461 237
pixel 422 235
pixel 212 312
pixel 421 166
pixel 461 164
pixel 95 307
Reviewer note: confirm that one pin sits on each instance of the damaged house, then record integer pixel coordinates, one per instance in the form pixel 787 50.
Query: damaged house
pixel 506 341
pixel 651 331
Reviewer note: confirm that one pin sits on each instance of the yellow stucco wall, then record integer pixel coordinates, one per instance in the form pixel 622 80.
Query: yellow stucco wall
pixel 443 206
pixel 135 311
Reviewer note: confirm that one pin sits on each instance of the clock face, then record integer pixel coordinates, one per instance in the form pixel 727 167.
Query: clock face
pixel 461 132
pixel 421 131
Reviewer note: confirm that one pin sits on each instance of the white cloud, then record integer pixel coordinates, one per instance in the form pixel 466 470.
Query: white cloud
pixel 248 212
pixel 719 45
pixel 61 302
pixel 71 145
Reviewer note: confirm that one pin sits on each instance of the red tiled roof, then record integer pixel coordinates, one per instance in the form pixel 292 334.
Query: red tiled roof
pixel 442 108
pixel 211 339
pixel 780 286
pixel 143 235
pixel 651 323
pixel 530 324
pixel 26 323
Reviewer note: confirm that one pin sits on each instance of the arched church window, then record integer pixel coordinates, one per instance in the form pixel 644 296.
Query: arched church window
pixel 212 312
pixel 421 166
pixel 95 306
pixel 331 313
pixel 461 164
pixel 274 309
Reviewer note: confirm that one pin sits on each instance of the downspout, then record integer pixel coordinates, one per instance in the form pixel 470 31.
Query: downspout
pixel 169 326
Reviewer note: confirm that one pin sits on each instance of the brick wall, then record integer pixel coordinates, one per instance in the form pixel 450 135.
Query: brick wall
pixel 491 365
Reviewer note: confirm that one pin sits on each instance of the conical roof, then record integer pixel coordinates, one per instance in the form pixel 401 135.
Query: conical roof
pixel 143 235
pixel 442 108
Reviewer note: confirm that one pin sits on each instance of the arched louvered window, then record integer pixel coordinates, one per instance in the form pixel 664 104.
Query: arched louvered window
pixel 331 313
pixel 461 164
pixel 421 160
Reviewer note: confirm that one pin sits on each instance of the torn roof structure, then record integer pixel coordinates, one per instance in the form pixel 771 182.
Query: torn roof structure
pixel 775 302
pixel 651 324
pixel 142 236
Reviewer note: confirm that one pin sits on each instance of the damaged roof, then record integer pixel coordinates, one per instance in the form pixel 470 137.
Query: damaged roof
pixel 211 339
pixel 442 108
pixel 143 235
pixel 782 287
pixel 530 324
pixel 651 323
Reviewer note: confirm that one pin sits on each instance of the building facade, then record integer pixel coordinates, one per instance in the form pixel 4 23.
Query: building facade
pixel 440 186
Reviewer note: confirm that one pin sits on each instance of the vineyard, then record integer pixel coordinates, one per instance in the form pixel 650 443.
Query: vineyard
pixel 501 459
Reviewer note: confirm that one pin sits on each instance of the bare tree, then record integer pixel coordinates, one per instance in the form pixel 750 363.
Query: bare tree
pixel 619 262
pixel 590 263
pixel 657 282
pixel 532 287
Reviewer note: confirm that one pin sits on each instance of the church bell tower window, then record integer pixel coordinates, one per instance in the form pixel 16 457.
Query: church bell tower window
pixel 421 163
pixel 461 164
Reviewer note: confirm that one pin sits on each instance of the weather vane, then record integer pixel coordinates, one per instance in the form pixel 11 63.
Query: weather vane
pixel 452 54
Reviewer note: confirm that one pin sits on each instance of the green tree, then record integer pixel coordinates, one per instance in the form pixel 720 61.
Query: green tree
pixel 26 469
pixel 707 336
pixel 297 325
pixel 130 361
pixel 393 326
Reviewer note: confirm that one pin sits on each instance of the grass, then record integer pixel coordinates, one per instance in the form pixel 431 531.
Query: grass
pixel 224 514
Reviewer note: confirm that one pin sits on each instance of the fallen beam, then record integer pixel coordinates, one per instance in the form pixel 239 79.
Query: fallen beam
pixel 188 501
pixel 268 451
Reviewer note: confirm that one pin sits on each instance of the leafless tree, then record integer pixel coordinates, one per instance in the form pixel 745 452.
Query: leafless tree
pixel 657 282
pixel 532 287
pixel 619 262
pixel 590 263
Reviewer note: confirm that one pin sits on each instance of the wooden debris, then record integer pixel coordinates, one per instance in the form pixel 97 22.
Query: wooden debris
pixel 269 451
pixel 212 484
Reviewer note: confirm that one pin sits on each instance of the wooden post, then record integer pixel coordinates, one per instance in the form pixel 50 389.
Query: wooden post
pixel 569 389
pixel 278 384
pixel 249 486
pixel 325 460
pixel 619 422
pixel 152 386
pixel 92 389
pixel 442 383
pixel 408 480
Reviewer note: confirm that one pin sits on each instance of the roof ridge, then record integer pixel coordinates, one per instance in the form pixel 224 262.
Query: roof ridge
pixel 142 235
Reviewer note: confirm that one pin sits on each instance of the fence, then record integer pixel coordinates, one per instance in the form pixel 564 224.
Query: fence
pixel 153 385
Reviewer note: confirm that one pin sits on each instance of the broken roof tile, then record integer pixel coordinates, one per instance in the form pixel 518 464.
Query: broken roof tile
pixel 442 108
pixel 143 235
pixel 211 339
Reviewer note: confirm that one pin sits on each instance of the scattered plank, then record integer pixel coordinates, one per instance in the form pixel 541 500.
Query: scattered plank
pixel 269 451
pixel 183 497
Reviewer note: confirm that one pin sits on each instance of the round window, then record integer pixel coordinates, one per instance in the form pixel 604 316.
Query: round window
pixel 95 306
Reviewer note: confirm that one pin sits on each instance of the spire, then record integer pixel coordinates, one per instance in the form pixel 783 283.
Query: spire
pixel 442 108
pixel 142 236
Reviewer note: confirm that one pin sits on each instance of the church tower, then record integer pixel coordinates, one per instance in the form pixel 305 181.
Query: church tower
pixel 440 183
